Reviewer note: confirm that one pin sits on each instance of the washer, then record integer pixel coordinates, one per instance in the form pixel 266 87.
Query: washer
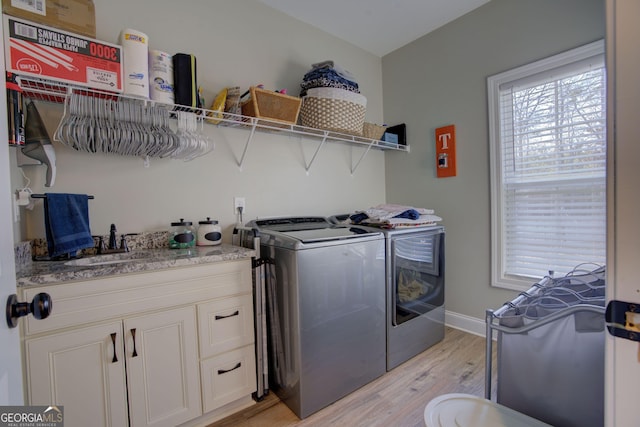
pixel 327 313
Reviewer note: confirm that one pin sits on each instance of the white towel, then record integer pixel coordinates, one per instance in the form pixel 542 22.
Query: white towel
pixel 424 220
pixel 388 211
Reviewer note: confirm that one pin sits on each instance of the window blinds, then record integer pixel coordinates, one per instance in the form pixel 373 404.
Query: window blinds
pixel 553 164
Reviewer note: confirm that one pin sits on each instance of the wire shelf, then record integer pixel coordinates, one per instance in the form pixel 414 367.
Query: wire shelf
pixel 57 92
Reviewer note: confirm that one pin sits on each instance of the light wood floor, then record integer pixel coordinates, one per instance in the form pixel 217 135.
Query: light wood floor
pixel 398 398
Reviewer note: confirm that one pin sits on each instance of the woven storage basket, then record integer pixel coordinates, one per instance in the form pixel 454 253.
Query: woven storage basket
pixel 372 131
pixel 338 115
pixel 272 106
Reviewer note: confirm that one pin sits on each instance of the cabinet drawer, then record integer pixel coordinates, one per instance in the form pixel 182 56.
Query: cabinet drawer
pixel 228 377
pixel 225 324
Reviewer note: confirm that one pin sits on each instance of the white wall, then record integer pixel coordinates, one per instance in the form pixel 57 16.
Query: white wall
pixel 243 43
pixel 440 79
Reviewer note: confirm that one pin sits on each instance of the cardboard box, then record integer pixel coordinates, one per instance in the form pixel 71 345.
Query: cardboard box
pixel 76 16
pixel 35 50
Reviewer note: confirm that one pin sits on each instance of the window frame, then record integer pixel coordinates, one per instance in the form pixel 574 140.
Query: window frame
pixel 498 252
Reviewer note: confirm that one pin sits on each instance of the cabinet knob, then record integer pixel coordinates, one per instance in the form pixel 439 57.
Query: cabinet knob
pixel 40 307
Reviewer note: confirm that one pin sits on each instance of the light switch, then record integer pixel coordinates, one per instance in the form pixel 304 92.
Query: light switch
pixel 442 160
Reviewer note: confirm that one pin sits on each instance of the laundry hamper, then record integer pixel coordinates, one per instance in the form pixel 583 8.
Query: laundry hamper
pixel 334 109
pixel 551 350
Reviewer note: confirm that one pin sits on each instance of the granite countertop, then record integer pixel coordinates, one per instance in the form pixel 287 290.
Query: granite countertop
pixel 40 273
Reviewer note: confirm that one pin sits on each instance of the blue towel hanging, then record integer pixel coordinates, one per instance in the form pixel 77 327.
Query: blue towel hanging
pixel 66 219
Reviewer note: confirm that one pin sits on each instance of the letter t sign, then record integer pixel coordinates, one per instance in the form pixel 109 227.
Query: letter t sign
pixel 446 151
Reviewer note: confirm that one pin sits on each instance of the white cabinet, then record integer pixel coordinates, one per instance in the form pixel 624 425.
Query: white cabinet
pixel 227 377
pixel 225 324
pixel 126 350
pixel 161 352
pixel 83 370
pixel 228 366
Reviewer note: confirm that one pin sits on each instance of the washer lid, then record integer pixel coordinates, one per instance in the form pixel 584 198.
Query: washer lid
pixel 326 234
pixel 291 223
pixel 464 410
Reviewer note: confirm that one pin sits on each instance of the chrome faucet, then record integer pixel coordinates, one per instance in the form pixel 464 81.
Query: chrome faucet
pixel 100 248
pixel 113 241
pixel 112 246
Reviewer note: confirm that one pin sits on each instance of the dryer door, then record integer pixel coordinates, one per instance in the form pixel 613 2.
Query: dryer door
pixel 417 265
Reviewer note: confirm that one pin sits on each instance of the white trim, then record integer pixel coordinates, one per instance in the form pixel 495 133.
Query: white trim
pixel 224 411
pixel 11 385
pixel 611 385
pixel 465 323
pixel 498 278
pixel 555 61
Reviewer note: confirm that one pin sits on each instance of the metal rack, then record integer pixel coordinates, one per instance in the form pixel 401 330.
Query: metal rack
pixel 55 92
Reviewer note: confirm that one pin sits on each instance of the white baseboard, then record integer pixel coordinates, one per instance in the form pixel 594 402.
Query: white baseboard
pixel 465 323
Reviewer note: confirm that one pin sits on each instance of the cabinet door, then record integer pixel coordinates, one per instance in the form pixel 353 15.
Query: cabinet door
pixel 82 370
pixel 225 324
pixel 162 367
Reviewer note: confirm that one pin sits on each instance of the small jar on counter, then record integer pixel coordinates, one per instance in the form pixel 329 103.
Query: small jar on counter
pixel 209 233
pixel 181 235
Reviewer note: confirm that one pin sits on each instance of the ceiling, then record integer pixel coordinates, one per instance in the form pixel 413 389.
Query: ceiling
pixel 377 26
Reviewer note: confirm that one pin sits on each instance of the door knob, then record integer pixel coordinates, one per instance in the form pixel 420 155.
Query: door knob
pixel 40 307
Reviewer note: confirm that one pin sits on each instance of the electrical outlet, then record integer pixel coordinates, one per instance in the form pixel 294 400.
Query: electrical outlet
pixel 239 202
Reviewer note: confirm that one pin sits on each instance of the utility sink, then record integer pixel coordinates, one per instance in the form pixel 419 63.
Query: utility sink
pixel 109 259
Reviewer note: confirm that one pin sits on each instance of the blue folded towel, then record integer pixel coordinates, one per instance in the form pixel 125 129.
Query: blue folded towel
pixel 358 217
pixel 409 214
pixel 66 220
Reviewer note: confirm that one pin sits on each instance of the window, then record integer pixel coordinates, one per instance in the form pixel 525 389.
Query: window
pixel 547 126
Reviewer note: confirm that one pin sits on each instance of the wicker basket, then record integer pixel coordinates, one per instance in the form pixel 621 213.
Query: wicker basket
pixel 272 106
pixel 338 115
pixel 373 131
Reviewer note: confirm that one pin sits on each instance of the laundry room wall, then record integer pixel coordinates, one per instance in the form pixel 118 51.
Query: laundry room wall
pixel 440 79
pixel 236 43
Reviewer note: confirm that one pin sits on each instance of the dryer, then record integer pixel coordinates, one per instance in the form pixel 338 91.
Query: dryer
pixel 414 275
